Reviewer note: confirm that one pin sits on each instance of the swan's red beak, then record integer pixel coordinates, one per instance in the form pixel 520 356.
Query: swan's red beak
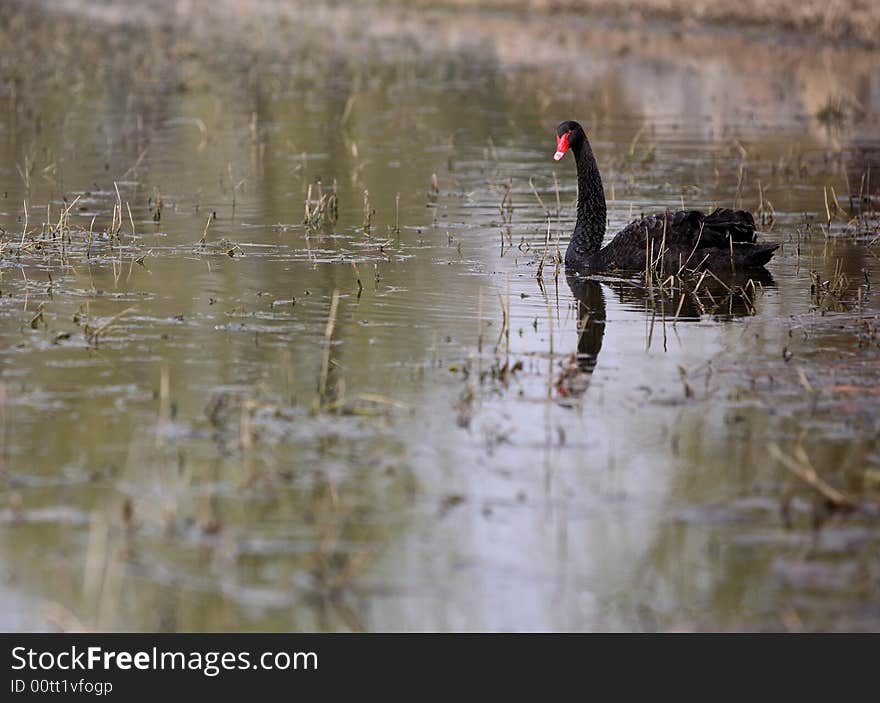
pixel 561 146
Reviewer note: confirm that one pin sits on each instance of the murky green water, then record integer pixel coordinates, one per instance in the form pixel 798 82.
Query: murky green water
pixel 196 437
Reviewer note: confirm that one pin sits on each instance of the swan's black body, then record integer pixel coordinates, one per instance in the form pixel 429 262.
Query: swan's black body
pixel 722 241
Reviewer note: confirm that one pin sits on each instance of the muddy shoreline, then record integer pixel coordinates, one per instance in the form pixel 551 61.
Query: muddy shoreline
pixel 814 21
pixel 732 63
pixel 842 23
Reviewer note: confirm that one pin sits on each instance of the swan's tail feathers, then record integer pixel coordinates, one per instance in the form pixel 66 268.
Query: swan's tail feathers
pixel 739 225
pixel 758 255
pixel 724 225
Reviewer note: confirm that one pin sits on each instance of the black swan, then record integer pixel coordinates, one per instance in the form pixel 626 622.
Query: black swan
pixel 723 241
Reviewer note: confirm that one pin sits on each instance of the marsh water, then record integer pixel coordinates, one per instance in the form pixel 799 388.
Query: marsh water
pixel 218 417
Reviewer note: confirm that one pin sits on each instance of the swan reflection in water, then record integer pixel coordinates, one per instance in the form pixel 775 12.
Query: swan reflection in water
pixel 721 298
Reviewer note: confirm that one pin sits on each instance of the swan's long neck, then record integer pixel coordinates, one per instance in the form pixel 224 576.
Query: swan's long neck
pixel 589 230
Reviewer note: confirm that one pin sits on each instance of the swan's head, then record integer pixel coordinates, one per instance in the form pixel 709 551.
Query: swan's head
pixel 568 134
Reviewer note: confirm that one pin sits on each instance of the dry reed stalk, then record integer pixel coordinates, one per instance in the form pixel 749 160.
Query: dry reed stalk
pixel 328 338
pixel 800 466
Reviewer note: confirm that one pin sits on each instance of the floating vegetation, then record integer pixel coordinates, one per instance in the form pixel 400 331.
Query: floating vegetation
pixel 324 211
pixel 829 294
